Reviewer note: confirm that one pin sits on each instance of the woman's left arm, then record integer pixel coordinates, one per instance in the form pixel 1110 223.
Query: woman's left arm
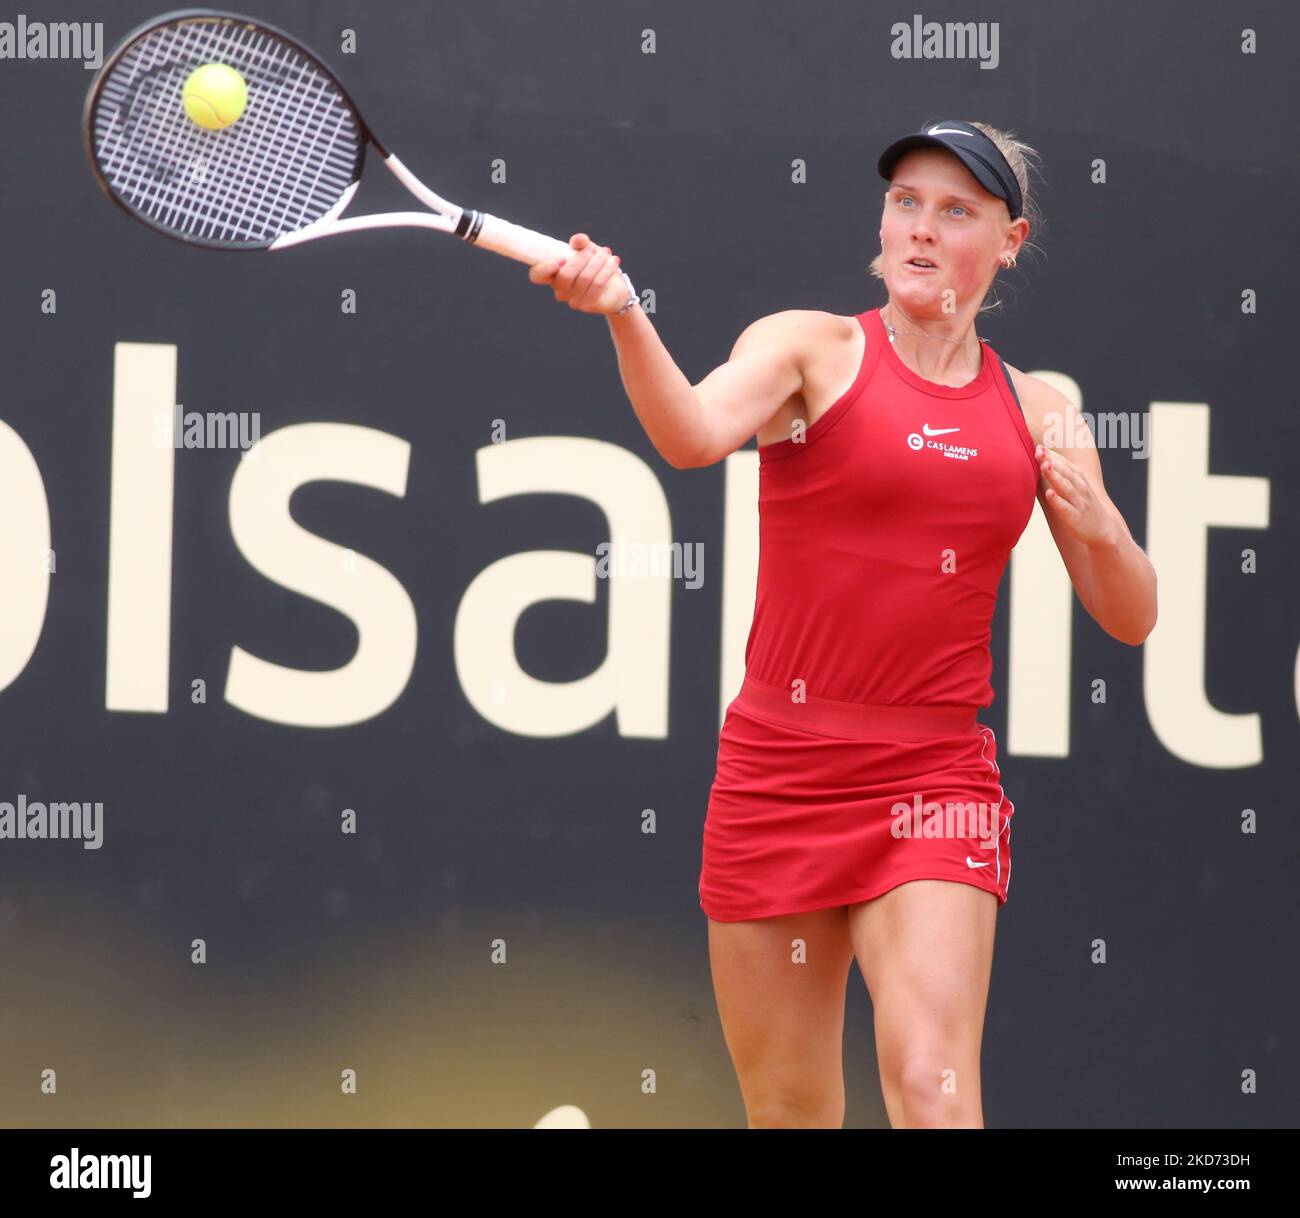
pixel 1113 577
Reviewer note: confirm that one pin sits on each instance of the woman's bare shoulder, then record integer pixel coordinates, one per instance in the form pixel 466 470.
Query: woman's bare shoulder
pixel 802 324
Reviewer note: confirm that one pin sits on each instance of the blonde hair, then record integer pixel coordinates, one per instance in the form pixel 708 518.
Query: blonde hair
pixel 1022 159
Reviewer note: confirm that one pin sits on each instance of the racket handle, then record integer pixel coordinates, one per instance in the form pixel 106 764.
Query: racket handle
pixel 511 240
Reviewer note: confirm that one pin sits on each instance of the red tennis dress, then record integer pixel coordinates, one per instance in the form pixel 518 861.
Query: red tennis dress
pixel 852 761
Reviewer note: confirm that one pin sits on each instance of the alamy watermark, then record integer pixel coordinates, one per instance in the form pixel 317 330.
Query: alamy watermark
pixel 38 821
pixel 651 560
pixel 1110 429
pixel 945 40
pixel 955 819
pixel 23 39
pixel 78 1170
pixel 213 429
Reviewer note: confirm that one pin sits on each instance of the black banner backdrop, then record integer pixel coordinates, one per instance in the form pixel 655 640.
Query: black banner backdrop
pixel 524 749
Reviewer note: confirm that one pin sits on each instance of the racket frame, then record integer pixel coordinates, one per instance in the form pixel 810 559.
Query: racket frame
pixel 177 16
pixel 475 227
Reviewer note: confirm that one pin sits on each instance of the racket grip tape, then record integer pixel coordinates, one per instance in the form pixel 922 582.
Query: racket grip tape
pixel 510 240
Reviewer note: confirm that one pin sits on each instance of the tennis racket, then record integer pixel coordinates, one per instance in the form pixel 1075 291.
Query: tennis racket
pixel 278 176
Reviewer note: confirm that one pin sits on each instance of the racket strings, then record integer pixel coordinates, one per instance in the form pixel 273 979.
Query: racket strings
pixel 262 181
pixel 233 205
pixel 284 164
pixel 161 189
pixel 197 194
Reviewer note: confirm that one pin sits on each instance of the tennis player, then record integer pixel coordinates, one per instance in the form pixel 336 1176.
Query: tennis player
pixel 857 809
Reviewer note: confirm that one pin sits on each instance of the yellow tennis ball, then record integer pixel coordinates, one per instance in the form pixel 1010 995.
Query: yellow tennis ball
pixel 215 96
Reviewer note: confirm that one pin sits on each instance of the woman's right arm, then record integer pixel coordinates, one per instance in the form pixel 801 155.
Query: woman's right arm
pixel 689 425
pixel 697 425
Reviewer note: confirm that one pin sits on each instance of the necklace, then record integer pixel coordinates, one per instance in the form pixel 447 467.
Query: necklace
pixel 918 333
pixel 894 333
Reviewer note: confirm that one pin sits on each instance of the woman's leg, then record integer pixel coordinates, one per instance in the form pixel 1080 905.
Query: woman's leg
pixel 780 987
pixel 925 949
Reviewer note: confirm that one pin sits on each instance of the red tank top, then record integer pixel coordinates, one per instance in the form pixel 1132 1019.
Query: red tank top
pixel 884 533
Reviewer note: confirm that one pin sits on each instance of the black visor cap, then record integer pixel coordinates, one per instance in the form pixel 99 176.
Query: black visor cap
pixel 970 146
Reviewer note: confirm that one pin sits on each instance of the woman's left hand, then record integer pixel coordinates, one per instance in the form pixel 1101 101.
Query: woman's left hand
pixel 1070 498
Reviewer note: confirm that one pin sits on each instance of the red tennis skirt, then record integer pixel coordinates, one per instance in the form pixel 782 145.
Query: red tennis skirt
pixel 820 803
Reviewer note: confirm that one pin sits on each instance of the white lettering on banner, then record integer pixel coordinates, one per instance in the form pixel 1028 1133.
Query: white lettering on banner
pixel 369 596
pixel 632 680
pixel 740 569
pixel 1184 502
pixel 140 529
pixel 24 542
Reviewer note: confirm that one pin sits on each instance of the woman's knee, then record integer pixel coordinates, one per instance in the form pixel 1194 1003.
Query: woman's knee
pixel 795 1110
pixel 936 1087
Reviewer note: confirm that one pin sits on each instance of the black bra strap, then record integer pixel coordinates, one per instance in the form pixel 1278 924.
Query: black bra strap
pixel 1010 383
